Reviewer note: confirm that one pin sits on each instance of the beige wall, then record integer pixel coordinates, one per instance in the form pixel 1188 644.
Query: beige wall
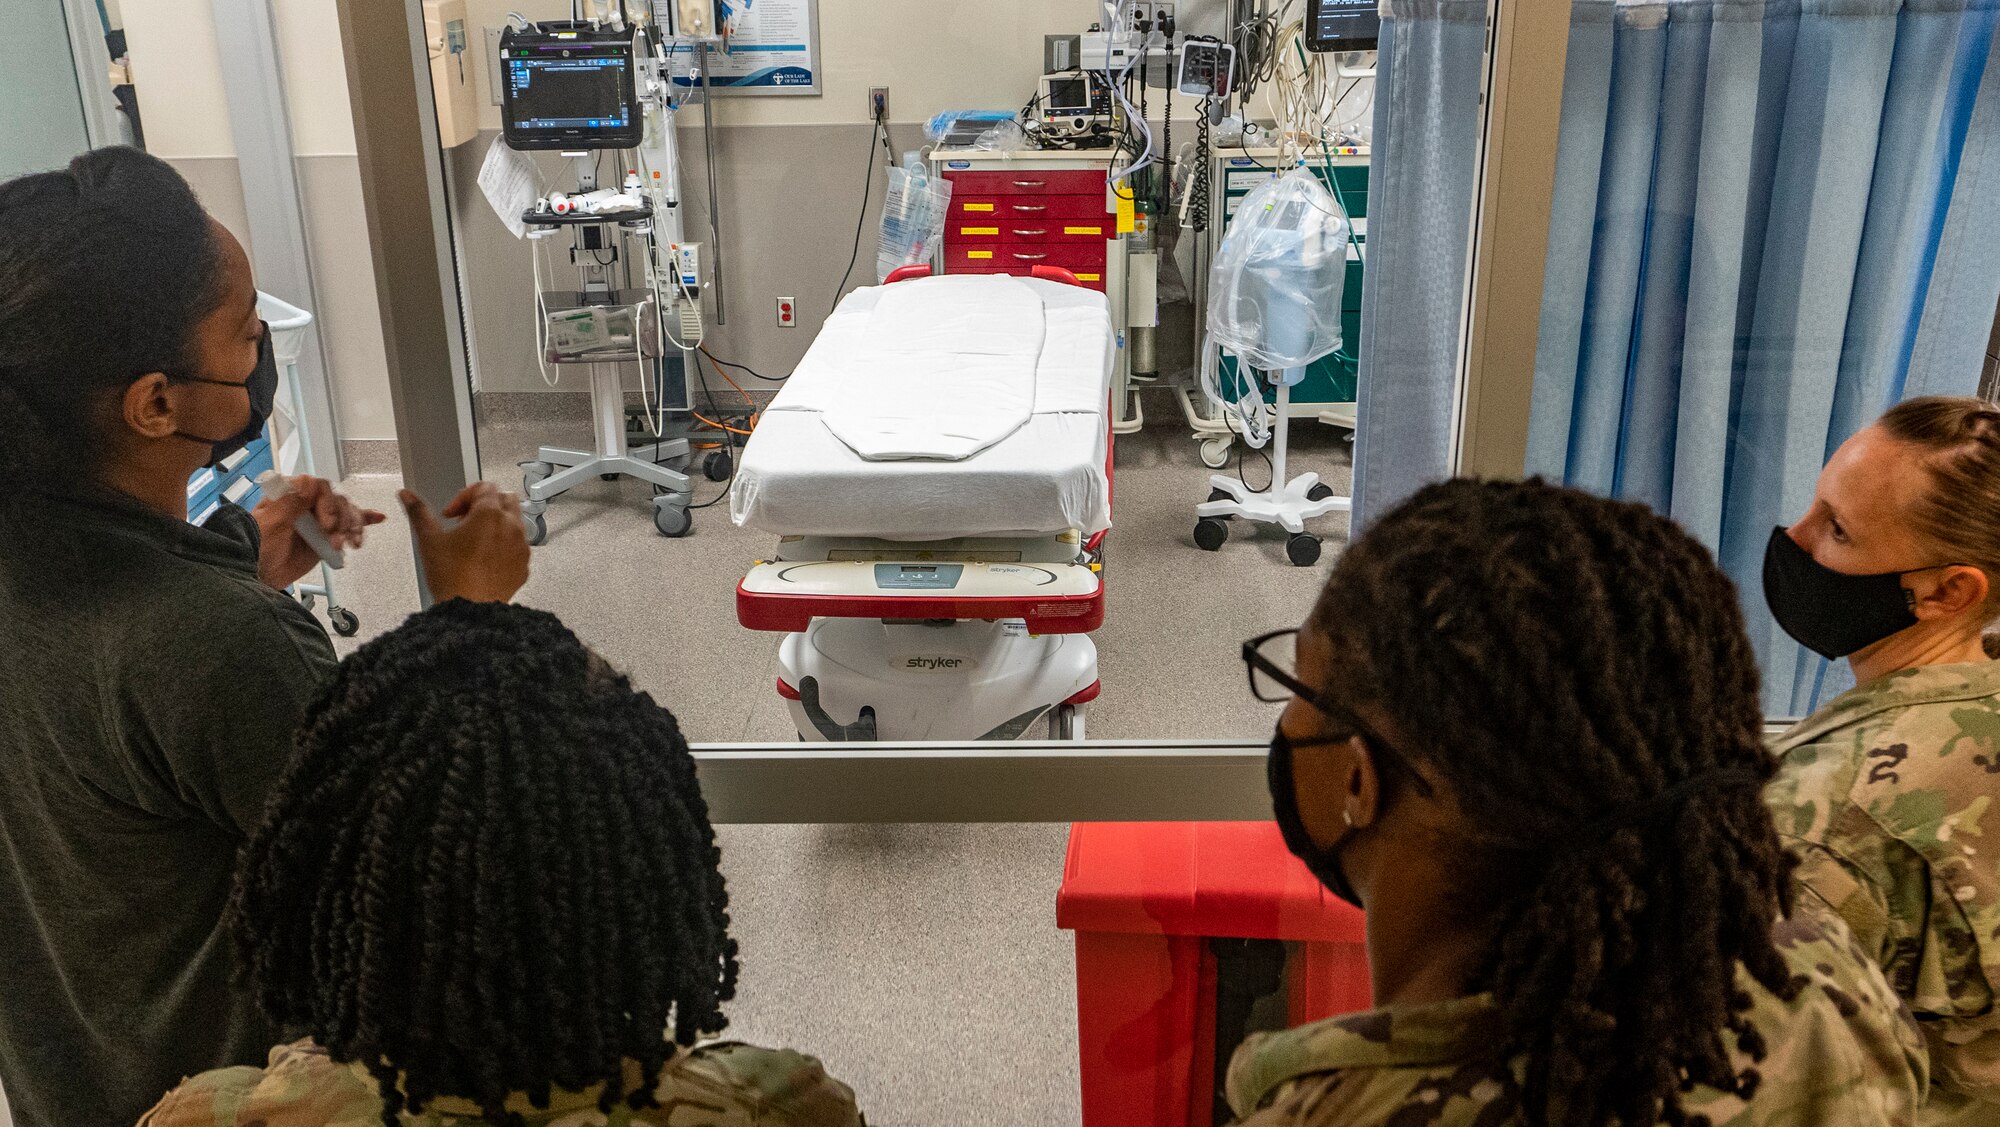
pixel 178 72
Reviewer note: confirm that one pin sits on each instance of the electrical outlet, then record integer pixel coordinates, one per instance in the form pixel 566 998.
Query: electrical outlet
pixel 878 103
pixel 788 313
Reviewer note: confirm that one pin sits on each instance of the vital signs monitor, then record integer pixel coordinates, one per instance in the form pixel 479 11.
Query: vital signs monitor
pixel 569 87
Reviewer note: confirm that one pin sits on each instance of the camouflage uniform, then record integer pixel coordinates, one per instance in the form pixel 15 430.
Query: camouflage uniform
pixel 1884 794
pixel 1845 1052
pixel 727 1084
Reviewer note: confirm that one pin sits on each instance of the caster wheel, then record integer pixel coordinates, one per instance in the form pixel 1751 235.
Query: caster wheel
pixel 1302 550
pixel 538 529
pixel 1209 533
pixel 307 601
pixel 718 466
pixel 1319 492
pixel 672 520
pixel 532 472
pixel 608 476
pixel 1215 452
pixel 1220 495
pixel 345 622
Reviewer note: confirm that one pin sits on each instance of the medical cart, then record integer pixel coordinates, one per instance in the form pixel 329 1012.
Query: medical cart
pixel 282 447
pixel 1327 393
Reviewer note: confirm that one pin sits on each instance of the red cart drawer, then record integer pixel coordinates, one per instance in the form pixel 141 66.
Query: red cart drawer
pixel 1028 181
pixel 977 230
pixel 1085 260
pixel 1029 207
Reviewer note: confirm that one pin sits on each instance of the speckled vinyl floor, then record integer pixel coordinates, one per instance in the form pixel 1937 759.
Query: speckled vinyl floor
pixel 922 963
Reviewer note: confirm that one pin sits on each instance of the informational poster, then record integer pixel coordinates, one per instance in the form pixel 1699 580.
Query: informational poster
pixel 773 48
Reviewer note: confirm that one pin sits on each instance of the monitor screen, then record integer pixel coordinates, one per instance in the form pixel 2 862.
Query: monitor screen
pixel 1070 92
pixel 1342 25
pixel 569 92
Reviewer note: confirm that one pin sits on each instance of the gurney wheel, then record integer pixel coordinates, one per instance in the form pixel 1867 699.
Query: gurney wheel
pixel 1302 549
pixel 718 466
pixel 1319 492
pixel 538 528
pixel 1209 533
pixel 1215 452
pixel 672 520
pixel 345 622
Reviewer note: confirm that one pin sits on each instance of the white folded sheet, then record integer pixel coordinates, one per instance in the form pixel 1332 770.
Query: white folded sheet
pixel 944 369
pixel 1046 473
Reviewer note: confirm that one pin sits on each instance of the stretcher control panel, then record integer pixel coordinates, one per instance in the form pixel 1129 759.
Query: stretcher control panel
pixel 1052 598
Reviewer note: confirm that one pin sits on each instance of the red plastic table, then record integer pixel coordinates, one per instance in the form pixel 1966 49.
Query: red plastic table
pixel 1143 899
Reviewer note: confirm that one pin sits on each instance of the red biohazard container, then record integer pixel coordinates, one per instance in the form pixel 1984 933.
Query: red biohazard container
pixel 1144 899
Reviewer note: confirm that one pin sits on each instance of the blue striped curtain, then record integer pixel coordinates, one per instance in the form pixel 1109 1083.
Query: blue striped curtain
pixel 1790 216
pixel 1420 196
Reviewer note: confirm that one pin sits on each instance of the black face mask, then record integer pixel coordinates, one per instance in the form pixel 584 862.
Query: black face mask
pixel 262 386
pixel 1323 861
pixel 1831 612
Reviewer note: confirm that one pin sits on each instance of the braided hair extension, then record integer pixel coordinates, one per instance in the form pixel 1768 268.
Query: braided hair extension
pixel 106 269
pixel 1562 662
pixel 488 869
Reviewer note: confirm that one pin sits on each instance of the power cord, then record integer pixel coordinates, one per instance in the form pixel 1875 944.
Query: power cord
pixel 880 130
pixel 744 368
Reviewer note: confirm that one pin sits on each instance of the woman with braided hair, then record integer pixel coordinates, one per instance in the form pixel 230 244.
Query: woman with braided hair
pixel 1523 730
pixel 1886 791
pixel 486 888
pixel 153 670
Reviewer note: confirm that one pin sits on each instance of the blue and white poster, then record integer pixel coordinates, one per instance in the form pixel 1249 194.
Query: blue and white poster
pixel 773 48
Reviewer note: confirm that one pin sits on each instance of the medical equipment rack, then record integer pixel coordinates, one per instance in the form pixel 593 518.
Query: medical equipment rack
pixel 1328 391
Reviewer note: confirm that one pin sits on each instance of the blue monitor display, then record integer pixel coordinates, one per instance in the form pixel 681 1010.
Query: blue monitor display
pixel 1342 25
pixel 568 90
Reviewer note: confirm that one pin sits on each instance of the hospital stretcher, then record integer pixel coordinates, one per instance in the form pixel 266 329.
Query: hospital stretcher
pixel 938 474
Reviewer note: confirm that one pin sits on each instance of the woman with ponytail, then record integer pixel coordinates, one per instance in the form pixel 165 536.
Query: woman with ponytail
pixel 1523 731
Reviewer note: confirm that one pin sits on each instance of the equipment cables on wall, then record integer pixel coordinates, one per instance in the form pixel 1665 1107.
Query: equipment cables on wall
pixel 879 129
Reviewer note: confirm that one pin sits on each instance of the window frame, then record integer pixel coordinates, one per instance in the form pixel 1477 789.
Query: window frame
pixel 1028 781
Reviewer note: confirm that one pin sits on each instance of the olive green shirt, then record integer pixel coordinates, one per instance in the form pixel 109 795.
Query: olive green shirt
pixel 727 1084
pixel 150 684
pixel 1844 1051
pixel 1885 795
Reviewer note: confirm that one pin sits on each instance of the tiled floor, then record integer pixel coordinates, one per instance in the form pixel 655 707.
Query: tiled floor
pixel 922 963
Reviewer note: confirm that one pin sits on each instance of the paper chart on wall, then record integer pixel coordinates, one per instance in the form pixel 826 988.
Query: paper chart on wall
pixel 773 48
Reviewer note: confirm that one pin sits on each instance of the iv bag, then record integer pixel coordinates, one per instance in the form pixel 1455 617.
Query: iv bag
pixel 1274 291
pixel 913 217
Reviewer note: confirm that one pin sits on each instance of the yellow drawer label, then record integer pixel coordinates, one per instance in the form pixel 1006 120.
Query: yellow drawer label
pixel 979 230
pixel 1090 277
pixel 979 207
pixel 979 254
pixel 1099 230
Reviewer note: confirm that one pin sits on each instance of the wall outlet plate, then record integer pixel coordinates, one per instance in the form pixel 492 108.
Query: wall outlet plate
pixel 788 313
pixel 878 103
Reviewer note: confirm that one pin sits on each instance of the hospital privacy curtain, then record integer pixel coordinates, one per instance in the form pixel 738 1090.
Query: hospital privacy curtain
pixel 1772 220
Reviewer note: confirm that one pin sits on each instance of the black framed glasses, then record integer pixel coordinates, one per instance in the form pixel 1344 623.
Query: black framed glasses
pixel 1272 663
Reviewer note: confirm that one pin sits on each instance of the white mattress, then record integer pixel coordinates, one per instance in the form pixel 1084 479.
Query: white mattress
pixel 798 478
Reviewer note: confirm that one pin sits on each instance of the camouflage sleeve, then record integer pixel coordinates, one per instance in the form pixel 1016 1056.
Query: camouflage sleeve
pixel 1965 1057
pixel 753 1087
pixel 211 1099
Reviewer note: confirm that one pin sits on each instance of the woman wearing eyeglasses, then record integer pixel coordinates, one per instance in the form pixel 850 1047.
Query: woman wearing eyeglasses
pixel 1523 732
